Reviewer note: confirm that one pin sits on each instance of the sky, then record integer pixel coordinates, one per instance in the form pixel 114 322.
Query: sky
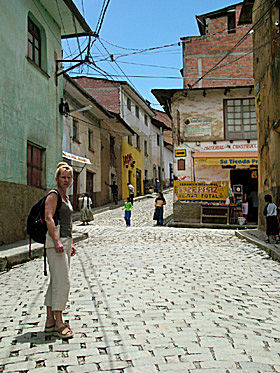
pixel 140 24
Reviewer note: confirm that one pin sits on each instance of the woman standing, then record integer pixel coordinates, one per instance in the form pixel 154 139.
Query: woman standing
pixel 86 212
pixel 159 203
pixel 60 248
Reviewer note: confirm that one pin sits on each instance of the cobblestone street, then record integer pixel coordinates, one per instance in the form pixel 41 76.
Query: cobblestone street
pixel 148 299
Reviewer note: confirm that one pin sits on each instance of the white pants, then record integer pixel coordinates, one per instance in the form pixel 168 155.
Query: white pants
pixel 59 266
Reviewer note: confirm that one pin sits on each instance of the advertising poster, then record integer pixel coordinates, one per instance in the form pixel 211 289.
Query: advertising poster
pixel 200 191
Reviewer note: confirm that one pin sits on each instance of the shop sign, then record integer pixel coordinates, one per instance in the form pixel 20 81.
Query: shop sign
pixel 198 127
pixel 76 158
pixel 180 153
pixel 201 191
pixel 226 161
pixel 127 158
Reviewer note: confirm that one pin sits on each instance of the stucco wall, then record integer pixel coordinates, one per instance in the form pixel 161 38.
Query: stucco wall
pixel 28 98
pixel 15 203
pixel 267 83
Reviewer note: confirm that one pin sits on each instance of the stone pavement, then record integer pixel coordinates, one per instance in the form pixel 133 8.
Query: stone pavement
pixel 149 299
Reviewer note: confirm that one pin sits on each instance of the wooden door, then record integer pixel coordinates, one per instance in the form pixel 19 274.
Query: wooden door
pixel 89 184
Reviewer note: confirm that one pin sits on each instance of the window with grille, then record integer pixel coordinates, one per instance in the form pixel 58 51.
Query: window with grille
pixel 129 140
pixel 34 43
pixel 231 22
pixel 146 119
pixel 90 139
pixel 34 165
pixel 137 141
pixel 75 129
pixel 181 165
pixel 240 119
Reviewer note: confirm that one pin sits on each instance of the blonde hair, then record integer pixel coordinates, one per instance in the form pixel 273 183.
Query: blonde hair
pixel 63 166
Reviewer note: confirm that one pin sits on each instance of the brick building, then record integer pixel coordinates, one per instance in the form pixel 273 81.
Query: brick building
pixel 219 33
pixel 214 123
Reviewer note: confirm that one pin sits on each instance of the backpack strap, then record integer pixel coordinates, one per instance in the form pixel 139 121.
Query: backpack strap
pixel 58 205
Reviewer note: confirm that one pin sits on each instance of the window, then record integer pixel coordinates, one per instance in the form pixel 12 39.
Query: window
pixel 75 130
pixel 112 149
pixel 146 119
pixel 158 139
pixel 145 148
pixel 137 141
pixel 240 119
pixel 34 165
pixel 137 111
pixel 181 164
pixel 34 43
pixel 128 103
pixel 129 140
pixel 231 22
pixel 146 174
pixel 90 139
pixel 129 176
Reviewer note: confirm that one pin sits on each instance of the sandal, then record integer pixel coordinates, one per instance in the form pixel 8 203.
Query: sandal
pixel 64 332
pixel 49 329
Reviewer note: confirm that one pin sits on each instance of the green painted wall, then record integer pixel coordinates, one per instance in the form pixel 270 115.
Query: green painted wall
pixel 28 98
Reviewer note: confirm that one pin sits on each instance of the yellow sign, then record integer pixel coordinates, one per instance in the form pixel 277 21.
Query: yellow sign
pixel 180 153
pixel 200 191
pixel 226 161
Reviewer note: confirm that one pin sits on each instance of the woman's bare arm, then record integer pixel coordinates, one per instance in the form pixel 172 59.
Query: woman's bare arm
pixel 50 207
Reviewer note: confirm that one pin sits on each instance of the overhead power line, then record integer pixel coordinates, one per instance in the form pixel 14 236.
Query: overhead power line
pixel 243 38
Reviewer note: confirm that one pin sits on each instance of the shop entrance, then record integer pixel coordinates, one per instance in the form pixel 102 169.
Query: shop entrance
pixel 244 184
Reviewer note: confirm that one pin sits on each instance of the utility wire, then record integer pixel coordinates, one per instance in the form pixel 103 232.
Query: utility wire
pixel 63 25
pixel 113 60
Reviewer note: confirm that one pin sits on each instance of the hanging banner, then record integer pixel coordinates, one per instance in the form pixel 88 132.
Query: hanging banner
pixel 200 191
pixel 76 158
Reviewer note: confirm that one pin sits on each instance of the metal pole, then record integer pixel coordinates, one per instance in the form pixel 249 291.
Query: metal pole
pixel 161 157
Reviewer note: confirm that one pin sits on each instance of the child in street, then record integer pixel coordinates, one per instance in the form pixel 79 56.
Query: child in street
pixel 270 212
pixel 127 212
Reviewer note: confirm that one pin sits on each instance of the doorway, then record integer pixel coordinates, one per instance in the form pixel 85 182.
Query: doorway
pixel 138 182
pixel 75 187
pixel 89 184
pixel 248 180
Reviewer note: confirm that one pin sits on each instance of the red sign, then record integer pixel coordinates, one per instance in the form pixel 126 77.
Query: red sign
pixel 127 159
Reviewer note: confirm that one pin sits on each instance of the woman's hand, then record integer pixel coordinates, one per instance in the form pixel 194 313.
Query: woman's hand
pixel 58 247
pixel 73 250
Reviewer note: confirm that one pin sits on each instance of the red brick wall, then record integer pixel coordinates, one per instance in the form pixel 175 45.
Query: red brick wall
pixel 201 53
pixel 104 91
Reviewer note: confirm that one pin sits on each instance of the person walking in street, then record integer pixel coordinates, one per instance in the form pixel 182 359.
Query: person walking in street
pixel 127 211
pixel 130 192
pixel 86 212
pixel 270 212
pixel 60 248
pixel 114 191
pixel 159 203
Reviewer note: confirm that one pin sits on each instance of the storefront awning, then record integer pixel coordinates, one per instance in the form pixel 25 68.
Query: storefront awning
pixel 226 158
pixel 76 158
